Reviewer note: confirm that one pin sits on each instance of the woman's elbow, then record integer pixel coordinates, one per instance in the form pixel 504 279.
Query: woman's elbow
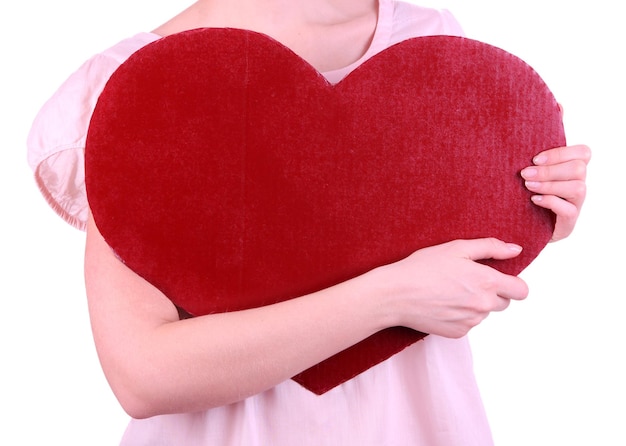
pixel 137 399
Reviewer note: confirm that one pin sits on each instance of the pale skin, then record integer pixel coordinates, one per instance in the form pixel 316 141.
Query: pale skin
pixel 157 363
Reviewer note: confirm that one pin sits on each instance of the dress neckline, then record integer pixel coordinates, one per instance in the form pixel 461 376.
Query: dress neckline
pixel 379 41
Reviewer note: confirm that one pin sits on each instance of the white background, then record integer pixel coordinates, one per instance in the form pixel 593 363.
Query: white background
pixel 551 368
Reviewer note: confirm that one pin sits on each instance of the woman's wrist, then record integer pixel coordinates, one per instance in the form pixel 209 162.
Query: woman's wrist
pixel 378 293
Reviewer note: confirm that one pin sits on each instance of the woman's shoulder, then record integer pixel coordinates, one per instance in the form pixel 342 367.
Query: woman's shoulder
pixel 57 136
pixel 412 18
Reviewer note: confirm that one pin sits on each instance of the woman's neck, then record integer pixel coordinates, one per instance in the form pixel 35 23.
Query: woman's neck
pixel 329 34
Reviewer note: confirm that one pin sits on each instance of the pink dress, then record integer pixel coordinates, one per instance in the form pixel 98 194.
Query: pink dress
pixel 425 395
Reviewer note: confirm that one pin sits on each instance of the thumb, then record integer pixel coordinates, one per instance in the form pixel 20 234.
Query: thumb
pixel 490 248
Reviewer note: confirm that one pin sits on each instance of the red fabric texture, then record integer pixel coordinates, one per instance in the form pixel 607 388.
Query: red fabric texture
pixel 229 173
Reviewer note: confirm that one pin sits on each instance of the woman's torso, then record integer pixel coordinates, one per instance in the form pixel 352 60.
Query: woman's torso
pixel 424 395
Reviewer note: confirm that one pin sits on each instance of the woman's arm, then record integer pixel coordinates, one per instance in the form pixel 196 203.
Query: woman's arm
pixel 156 363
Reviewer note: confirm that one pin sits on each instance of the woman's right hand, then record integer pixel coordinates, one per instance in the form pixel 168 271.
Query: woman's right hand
pixel 442 290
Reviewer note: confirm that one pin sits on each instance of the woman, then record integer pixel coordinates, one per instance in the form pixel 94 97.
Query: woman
pixel 198 381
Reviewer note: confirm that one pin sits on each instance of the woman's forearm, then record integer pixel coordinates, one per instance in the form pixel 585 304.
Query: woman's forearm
pixel 158 364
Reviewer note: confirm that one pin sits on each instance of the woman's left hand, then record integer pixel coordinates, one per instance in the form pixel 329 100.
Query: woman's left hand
pixel 557 178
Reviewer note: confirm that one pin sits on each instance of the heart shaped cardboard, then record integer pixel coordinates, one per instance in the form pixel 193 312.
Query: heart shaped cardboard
pixel 229 173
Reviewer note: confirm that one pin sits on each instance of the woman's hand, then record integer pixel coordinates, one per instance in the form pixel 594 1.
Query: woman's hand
pixel 443 290
pixel 557 177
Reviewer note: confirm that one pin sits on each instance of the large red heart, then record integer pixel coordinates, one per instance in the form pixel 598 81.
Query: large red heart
pixel 229 173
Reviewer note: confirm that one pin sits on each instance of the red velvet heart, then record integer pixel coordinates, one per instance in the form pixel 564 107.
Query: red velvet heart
pixel 229 173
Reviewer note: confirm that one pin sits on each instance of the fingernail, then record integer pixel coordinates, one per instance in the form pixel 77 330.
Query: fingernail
pixel 514 247
pixel 536 198
pixel 532 185
pixel 540 159
pixel 529 172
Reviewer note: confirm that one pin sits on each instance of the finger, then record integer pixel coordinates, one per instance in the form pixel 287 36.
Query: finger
pixel 573 191
pixel 512 287
pixel 504 286
pixel 559 206
pixel 566 212
pixel 501 304
pixel 487 248
pixel 568 170
pixel 563 154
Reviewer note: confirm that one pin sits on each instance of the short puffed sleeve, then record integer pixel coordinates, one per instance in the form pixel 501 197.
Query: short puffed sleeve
pixel 413 21
pixel 56 141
